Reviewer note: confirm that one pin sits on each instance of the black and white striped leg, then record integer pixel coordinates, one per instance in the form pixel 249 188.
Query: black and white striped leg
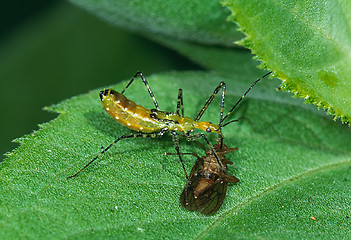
pixel 210 99
pixel 136 135
pixel 242 97
pixel 147 86
pixel 180 106
pixel 176 146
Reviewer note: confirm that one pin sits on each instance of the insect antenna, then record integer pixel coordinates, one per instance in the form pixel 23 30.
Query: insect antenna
pixel 236 120
pixel 237 103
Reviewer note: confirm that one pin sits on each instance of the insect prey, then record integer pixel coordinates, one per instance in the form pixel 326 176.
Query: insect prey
pixel 206 187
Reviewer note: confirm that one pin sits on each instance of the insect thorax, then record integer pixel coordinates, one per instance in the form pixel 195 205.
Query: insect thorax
pixel 175 121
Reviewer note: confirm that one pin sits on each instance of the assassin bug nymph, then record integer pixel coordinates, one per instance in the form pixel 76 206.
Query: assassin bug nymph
pixel 154 123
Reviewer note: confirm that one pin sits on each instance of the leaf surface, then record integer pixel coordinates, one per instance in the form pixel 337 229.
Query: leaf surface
pixel 202 22
pixel 133 190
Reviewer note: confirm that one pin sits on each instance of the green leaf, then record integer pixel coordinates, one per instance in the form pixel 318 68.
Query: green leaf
pixel 225 61
pixel 203 22
pixel 288 152
pixel 306 44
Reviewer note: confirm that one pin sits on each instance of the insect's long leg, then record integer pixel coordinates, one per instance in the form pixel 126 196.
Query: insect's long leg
pixel 222 104
pixel 242 97
pixel 193 154
pixel 198 162
pixel 147 86
pixel 209 100
pixel 220 136
pixel 192 137
pixel 136 135
pixel 180 106
pixel 176 146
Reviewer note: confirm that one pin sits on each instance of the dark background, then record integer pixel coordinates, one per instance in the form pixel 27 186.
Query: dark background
pixel 51 51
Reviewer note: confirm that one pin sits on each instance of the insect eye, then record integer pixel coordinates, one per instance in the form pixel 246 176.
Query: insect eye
pixel 208 130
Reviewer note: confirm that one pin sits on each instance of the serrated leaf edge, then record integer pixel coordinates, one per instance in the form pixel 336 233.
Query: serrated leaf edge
pixel 287 85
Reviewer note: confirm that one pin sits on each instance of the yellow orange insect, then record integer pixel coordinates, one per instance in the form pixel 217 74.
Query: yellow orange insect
pixel 153 123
